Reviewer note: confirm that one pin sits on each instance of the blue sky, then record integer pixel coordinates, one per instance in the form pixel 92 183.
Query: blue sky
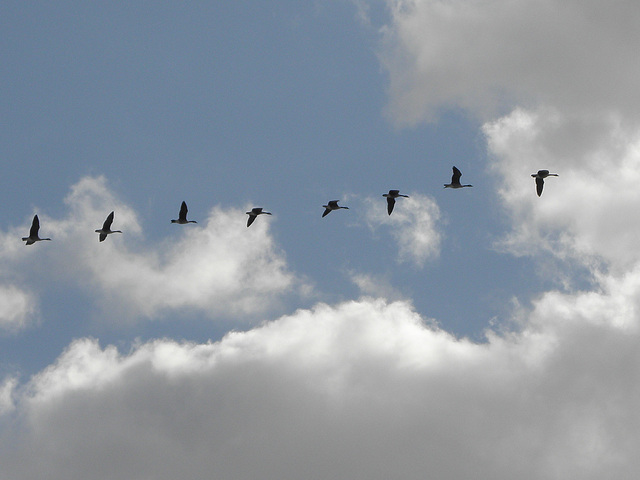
pixel 136 107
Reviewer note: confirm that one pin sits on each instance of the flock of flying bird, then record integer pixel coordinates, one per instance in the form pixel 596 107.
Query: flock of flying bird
pixel 253 214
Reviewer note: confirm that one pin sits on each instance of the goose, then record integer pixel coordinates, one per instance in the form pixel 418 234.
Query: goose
pixel 182 216
pixel 455 180
pixel 106 228
pixel 33 233
pixel 332 205
pixel 540 176
pixel 391 199
pixel 254 213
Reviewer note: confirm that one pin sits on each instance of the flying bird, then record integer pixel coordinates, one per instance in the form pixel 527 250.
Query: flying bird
pixel 106 228
pixel 33 233
pixel 391 199
pixel 254 213
pixel 182 216
pixel 455 180
pixel 540 176
pixel 332 205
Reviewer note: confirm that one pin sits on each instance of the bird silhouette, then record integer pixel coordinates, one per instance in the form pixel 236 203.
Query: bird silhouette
pixel 254 213
pixel 33 232
pixel 106 228
pixel 455 180
pixel 540 176
pixel 182 216
pixel 332 205
pixel 391 199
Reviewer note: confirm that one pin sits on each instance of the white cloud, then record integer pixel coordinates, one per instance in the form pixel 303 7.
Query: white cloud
pixel 360 390
pixel 556 60
pixel 218 266
pixel 413 226
pixel 578 55
pixel 17 308
pixel 377 286
pixel 587 213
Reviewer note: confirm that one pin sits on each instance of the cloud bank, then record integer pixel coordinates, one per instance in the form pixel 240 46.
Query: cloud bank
pixel 364 389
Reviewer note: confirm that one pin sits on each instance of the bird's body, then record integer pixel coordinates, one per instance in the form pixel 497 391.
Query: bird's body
pixel 391 199
pixel 106 228
pixel 540 176
pixel 455 180
pixel 332 205
pixel 254 213
pixel 33 232
pixel 182 216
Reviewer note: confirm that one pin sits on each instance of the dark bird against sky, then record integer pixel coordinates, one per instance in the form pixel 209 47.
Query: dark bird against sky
pixel 33 232
pixel 391 199
pixel 182 216
pixel 540 176
pixel 106 228
pixel 332 205
pixel 254 213
pixel 455 180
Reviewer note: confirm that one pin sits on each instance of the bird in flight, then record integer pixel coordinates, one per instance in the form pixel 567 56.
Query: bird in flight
pixel 391 199
pixel 33 232
pixel 106 228
pixel 182 216
pixel 254 213
pixel 455 180
pixel 540 176
pixel 332 205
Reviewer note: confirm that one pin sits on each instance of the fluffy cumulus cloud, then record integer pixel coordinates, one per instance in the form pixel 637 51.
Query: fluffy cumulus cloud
pixel 217 266
pixel 540 73
pixel 413 226
pixel 369 388
pixel 484 56
pixel 588 211
pixel 364 389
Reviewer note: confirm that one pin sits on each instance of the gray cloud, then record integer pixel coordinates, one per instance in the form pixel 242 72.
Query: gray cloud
pixel 577 55
pixel 360 390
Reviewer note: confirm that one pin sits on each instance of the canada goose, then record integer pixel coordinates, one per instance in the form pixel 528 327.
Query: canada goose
pixel 106 228
pixel 540 176
pixel 391 199
pixel 455 180
pixel 182 216
pixel 33 232
pixel 254 213
pixel 332 205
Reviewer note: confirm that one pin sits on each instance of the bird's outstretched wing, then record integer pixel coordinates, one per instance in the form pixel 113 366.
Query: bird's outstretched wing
pixel 35 227
pixel 390 204
pixel 108 222
pixel 539 185
pixel 455 178
pixel 182 216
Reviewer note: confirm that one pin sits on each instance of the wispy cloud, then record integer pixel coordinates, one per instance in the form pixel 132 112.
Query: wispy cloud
pixel 413 226
pixel 17 308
